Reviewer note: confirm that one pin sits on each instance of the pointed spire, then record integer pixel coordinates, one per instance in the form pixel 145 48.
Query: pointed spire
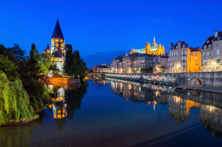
pixel 154 41
pixel 48 46
pixel 57 31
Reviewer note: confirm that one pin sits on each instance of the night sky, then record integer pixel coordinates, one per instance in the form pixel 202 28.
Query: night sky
pixel 103 29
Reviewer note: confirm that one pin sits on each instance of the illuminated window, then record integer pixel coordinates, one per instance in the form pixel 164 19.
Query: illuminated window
pixel 56 40
pixel 57 45
pixel 52 40
pixel 61 40
pixel 218 51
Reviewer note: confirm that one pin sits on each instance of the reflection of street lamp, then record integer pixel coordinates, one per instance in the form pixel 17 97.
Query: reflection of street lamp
pixel 214 65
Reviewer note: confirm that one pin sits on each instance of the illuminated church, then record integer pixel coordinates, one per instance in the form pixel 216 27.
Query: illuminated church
pixel 57 47
pixel 153 49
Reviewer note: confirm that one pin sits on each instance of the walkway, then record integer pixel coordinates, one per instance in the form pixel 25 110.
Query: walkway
pixel 197 87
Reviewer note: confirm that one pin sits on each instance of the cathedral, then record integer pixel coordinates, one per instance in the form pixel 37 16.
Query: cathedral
pixel 57 47
pixel 149 49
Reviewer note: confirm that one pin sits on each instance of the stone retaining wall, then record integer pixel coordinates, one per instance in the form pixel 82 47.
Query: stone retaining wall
pixel 209 79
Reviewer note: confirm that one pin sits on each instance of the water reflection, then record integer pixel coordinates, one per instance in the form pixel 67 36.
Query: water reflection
pixel 16 136
pixel 180 102
pixel 65 101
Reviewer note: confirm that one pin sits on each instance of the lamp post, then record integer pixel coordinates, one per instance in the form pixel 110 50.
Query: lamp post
pixel 214 65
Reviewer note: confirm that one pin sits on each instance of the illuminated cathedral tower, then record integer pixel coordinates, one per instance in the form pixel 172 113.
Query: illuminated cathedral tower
pixel 153 49
pixel 57 47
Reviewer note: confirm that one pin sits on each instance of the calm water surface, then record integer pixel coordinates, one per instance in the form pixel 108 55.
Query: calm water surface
pixel 120 113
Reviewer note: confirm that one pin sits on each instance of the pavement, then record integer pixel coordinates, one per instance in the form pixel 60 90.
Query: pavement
pixel 198 87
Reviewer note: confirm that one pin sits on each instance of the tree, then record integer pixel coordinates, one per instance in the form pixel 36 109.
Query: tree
pixel 34 53
pixel 8 67
pixel 74 65
pixel 69 58
pixel 46 63
pixel 17 52
pixel 33 66
pixel 14 101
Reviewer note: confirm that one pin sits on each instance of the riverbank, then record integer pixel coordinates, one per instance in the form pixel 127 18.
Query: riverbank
pixel 195 87
pixel 61 82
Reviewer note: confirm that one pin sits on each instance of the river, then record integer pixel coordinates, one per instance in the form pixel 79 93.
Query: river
pixel 120 113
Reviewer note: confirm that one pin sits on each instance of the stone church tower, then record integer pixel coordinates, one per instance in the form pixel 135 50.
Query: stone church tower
pixel 57 47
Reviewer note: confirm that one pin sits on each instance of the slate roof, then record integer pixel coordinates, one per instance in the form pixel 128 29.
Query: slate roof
pixel 182 44
pixel 211 39
pixel 195 49
pixel 57 54
pixel 57 31
pixel 48 46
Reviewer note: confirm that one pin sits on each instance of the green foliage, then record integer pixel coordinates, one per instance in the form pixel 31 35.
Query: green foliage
pixel 46 64
pixel 21 94
pixel 74 65
pixel 17 52
pixel 8 67
pixel 38 94
pixel 14 101
pixel 69 58
pixel 147 70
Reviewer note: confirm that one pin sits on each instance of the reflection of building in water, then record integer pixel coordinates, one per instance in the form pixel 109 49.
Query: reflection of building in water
pixel 59 115
pixel 211 117
pixel 59 106
pixel 179 108
pixel 137 92
pixel 103 82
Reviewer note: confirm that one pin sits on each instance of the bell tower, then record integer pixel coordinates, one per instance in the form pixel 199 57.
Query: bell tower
pixel 57 40
pixel 154 42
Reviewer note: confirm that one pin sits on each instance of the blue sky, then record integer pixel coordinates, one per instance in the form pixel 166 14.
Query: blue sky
pixel 103 29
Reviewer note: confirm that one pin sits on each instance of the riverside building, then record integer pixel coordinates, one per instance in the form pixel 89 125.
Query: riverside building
pixel 184 59
pixel 211 53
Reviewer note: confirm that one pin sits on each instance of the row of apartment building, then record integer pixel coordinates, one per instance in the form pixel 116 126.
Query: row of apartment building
pixel 181 58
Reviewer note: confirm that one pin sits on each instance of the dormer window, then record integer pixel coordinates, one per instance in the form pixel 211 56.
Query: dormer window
pixel 184 45
pixel 209 46
pixel 205 47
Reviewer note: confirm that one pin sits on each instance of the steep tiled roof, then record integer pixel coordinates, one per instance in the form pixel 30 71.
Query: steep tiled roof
pixel 57 31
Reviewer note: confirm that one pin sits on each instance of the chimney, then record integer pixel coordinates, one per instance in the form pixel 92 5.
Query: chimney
pixel 216 34
pixel 171 45
pixel 179 44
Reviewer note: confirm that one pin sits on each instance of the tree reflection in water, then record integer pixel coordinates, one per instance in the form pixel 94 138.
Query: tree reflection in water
pixel 19 135
pixel 180 102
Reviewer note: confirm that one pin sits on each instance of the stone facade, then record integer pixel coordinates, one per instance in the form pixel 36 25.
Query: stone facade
pixel 208 79
pixel 101 68
pixel 212 53
pixel 160 64
pixel 184 59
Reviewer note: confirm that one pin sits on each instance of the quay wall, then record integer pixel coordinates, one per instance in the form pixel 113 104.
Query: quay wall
pixel 61 82
pixel 208 79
